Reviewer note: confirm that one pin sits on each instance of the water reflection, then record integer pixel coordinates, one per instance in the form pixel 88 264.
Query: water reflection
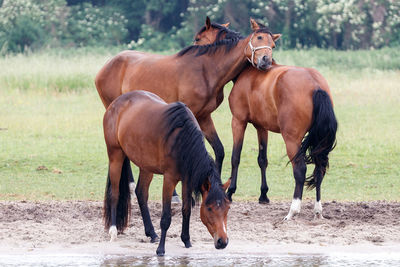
pixel 389 259
pixel 258 260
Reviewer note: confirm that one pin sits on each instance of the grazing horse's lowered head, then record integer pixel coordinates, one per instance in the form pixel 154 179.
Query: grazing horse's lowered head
pixel 214 211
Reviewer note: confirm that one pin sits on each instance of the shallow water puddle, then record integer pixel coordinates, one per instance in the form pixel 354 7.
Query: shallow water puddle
pixel 343 259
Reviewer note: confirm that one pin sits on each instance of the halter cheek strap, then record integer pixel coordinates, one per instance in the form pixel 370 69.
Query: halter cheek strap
pixel 254 49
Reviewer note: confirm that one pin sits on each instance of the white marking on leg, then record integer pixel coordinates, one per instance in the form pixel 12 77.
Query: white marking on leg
pixel 318 210
pixel 294 208
pixel 113 233
pixel 175 199
pixel 132 187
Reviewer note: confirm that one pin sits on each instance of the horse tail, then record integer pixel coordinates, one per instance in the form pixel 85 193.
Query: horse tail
pixel 124 199
pixel 321 138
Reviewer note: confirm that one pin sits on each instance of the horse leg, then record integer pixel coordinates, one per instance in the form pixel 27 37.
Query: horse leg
pixel 238 128
pixel 299 173
pixel 263 163
pixel 186 211
pixel 169 184
pixel 142 194
pixel 116 159
pixel 175 197
pixel 208 128
pixel 319 173
pixel 130 175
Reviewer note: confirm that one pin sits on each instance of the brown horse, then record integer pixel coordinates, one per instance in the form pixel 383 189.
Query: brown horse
pixel 164 139
pixel 289 100
pixel 195 76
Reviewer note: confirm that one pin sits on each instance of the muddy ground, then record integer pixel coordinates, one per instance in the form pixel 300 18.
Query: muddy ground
pixel 77 227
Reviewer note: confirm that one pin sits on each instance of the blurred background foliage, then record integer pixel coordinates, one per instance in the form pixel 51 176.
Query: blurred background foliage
pixel 28 25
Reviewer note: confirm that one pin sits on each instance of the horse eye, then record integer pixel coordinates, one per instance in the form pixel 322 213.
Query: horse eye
pixel 197 39
pixel 209 209
pixel 259 37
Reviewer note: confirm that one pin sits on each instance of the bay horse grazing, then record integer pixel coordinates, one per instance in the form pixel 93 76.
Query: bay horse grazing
pixel 195 76
pixel 164 139
pixel 291 101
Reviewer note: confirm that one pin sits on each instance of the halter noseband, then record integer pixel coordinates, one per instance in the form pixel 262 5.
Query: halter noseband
pixel 254 49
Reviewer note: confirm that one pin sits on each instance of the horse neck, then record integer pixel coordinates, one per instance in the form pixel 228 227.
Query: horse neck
pixel 226 65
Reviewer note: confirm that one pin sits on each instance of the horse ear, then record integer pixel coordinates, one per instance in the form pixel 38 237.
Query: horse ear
pixel 208 23
pixel 206 186
pixel 226 184
pixel 254 25
pixel 226 25
pixel 276 37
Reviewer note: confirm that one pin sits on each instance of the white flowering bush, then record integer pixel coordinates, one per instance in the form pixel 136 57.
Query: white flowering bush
pixel 91 25
pixel 30 23
pixel 342 24
pixel 171 25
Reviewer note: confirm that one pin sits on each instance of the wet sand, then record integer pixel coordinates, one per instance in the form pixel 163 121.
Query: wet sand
pixel 77 227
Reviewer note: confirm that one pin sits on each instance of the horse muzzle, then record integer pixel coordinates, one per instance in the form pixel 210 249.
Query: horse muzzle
pixel 264 63
pixel 220 243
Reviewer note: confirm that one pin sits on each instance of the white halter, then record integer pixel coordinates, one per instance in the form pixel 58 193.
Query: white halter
pixel 254 49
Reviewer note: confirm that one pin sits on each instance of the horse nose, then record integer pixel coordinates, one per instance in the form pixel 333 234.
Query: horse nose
pixel 221 244
pixel 265 58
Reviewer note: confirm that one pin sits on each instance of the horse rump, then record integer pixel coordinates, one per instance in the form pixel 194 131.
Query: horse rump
pixel 321 138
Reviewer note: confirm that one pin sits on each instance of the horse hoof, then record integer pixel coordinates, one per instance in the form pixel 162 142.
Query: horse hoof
pixel 113 233
pixel 318 216
pixel 287 218
pixel 263 200
pixel 160 252
pixel 188 244
pixel 154 239
pixel 175 199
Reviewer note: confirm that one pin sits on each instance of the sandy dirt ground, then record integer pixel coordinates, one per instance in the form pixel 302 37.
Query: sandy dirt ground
pixel 77 227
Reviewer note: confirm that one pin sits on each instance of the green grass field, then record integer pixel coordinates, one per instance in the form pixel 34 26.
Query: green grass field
pixel 51 116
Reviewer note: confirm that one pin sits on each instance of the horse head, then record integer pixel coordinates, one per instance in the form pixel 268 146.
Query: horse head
pixel 210 33
pixel 214 211
pixel 259 49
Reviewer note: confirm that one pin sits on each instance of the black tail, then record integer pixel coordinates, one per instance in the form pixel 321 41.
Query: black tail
pixel 124 199
pixel 321 138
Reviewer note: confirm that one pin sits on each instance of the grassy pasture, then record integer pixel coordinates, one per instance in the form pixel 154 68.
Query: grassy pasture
pixel 51 116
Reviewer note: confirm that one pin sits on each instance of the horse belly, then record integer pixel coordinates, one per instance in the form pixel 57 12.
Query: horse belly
pixel 263 112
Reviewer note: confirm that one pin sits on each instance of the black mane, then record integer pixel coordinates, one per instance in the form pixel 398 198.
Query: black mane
pixel 230 40
pixel 192 159
pixel 263 29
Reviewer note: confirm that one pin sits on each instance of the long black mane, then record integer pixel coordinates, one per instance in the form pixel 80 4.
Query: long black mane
pixel 231 38
pixel 193 162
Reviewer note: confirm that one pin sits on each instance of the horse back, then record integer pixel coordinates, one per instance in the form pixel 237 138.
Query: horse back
pixel 268 98
pixel 134 123
pixel 129 71
pixel 295 88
